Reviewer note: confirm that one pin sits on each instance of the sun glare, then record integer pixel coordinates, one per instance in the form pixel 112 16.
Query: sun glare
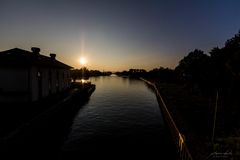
pixel 83 61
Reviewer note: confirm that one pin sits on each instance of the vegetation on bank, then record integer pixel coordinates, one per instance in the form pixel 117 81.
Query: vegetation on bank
pixel 204 74
pixel 215 77
pixel 201 86
pixel 84 73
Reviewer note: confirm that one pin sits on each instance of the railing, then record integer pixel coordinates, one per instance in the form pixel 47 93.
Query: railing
pixel 178 138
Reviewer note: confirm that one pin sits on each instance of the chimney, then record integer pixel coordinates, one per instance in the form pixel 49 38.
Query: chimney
pixel 35 50
pixel 53 56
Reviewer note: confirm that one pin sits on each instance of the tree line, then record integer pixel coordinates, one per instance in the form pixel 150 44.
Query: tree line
pixel 201 72
pixel 212 77
pixel 84 73
pixel 218 70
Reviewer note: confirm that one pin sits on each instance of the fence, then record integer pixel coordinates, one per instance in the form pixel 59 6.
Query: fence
pixel 178 138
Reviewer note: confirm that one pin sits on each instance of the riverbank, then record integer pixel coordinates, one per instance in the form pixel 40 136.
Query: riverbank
pixel 189 114
pixel 193 115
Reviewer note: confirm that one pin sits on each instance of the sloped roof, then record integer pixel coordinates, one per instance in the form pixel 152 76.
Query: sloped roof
pixel 21 58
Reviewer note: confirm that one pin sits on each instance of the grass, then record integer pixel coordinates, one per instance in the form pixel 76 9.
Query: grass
pixel 193 115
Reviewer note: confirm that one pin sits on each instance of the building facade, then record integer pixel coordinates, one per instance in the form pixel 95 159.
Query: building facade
pixel 30 76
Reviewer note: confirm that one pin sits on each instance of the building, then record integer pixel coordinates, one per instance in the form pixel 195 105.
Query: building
pixel 29 76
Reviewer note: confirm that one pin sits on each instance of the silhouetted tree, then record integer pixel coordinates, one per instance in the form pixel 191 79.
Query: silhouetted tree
pixel 225 65
pixel 82 73
pixel 162 75
pixel 134 73
pixel 193 69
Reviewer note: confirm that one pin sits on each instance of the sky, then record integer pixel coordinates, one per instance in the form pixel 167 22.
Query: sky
pixel 116 35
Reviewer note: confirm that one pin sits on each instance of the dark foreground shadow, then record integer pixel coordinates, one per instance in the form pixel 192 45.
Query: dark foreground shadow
pixel 141 145
pixel 42 137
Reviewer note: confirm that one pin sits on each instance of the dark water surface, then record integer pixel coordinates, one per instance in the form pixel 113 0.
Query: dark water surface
pixel 121 119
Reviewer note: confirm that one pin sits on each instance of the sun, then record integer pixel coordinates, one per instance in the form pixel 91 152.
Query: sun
pixel 83 60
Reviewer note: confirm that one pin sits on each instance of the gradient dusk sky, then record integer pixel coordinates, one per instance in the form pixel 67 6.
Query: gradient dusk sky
pixel 118 34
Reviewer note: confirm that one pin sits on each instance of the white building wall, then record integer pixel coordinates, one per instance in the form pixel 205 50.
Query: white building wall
pixel 45 83
pixel 50 81
pixel 67 79
pixel 25 81
pixel 34 84
pixel 14 84
pixel 13 79
pixel 53 80
pixel 61 79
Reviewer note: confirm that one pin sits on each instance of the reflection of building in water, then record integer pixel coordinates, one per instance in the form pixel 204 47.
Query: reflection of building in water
pixel 30 76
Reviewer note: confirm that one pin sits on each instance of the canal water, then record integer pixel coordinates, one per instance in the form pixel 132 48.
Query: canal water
pixel 122 118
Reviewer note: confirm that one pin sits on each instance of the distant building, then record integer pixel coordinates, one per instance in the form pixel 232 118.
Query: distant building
pixel 30 76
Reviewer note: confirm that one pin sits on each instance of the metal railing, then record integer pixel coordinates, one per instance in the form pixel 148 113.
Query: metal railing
pixel 178 138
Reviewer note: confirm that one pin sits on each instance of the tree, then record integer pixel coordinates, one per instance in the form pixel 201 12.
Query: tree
pixel 193 69
pixel 162 74
pixel 225 64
